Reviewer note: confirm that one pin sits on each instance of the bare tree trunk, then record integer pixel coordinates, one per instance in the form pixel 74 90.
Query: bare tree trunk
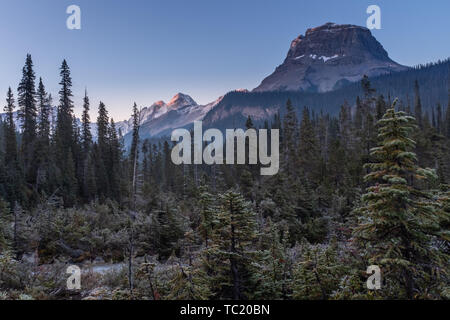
pixel 133 195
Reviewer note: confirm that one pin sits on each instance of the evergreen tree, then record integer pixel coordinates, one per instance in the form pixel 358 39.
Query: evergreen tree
pixel 290 139
pixel 10 129
pixel 418 113
pixel 274 274
pixel 447 121
pixel 28 113
pixel 12 169
pixel 318 272
pixel 396 216
pixel 307 148
pixel 114 162
pixel 134 151
pixel 381 107
pixel 44 102
pixel 102 128
pixel 65 138
pixel 43 150
pixel 86 135
pixel 102 150
pixel 207 216
pixel 229 258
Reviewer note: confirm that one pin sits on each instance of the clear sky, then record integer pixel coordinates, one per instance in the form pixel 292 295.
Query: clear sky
pixel 148 50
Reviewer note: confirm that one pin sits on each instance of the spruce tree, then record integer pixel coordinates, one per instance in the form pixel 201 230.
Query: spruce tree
pixel 134 152
pixel 102 149
pixel 13 175
pixel 446 125
pixel 43 152
pixel 230 258
pixel 65 138
pixel 28 113
pixel 318 272
pixel 102 128
pixel 86 135
pixel 207 216
pixel 10 129
pixel 396 216
pixel 114 162
pixel 290 139
pixel 418 112
pixel 307 148
pixel 273 275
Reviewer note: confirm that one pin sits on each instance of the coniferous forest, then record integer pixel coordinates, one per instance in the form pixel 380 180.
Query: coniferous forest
pixel 369 186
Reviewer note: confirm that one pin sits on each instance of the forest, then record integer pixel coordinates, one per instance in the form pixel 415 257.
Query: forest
pixel 369 185
pixel 433 89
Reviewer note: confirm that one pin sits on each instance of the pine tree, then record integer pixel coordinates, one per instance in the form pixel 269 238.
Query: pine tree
pixel 86 135
pixel 290 139
pixel 43 150
pixel 102 150
pixel 28 113
pixel 65 138
pixel 229 259
pixel 64 128
pixel 207 216
pixel 396 216
pixel 114 162
pixel 13 175
pixel 273 276
pixel 439 119
pixel 102 128
pixel 44 102
pixel 307 148
pixel 318 272
pixel 418 113
pixel 134 151
pixel 358 120
pixel 189 281
pixel 447 121
pixel 10 130
pixel 380 107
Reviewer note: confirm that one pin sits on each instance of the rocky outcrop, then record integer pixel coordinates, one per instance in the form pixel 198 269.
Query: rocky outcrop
pixel 329 56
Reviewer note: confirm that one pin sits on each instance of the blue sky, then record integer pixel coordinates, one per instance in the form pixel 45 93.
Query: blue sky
pixel 148 50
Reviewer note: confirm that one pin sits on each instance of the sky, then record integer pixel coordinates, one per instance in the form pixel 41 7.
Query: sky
pixel 148 50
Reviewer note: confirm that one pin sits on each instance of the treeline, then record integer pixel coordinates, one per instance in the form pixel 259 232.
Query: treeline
pixel 351 193
pixel 58 158
pixel 433 80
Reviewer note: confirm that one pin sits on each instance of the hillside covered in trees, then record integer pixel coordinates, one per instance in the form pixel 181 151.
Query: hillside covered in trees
pixel 433 89
pixel 368 185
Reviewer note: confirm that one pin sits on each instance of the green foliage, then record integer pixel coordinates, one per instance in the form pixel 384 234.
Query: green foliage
pixel 318 273
pixel 396 217
pixel 229 260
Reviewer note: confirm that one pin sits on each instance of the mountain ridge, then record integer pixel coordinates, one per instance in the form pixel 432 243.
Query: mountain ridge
pixel 327 57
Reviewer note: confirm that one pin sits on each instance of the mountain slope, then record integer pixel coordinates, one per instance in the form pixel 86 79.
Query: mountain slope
pixel 433 79
pixel 327 57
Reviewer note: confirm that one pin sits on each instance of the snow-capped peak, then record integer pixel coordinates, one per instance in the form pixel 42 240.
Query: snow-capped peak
pixel 181 100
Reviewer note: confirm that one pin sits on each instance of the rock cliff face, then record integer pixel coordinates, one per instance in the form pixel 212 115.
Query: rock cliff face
pixel 329 56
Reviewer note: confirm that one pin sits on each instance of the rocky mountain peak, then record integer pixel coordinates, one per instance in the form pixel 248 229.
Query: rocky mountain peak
pixel 181 100
pixel 327 56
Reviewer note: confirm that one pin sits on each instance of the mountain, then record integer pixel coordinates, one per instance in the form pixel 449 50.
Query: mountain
pixel 160 119
pixel 327 57
pixel 433 80
pixel 321 71
pixel 157 120
pixel 18 121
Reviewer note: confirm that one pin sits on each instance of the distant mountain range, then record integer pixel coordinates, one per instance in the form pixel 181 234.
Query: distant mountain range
pixel 321 70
